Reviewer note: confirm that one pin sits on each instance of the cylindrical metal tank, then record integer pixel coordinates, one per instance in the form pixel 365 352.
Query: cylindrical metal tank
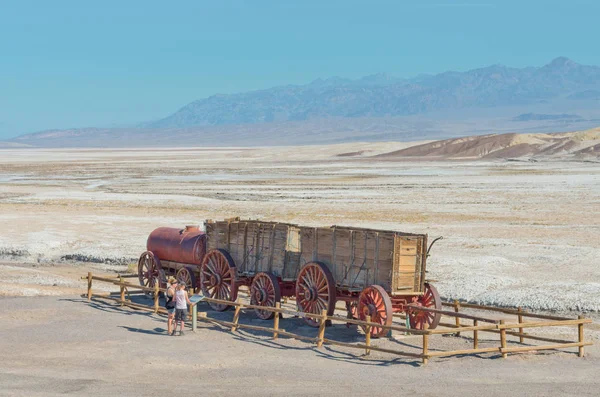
pixel 178 245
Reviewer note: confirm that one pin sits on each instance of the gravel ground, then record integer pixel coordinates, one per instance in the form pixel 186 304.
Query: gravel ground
pixel 67 346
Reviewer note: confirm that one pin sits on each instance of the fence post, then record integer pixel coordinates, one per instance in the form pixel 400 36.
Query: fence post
pixel 194 317
pixel 322 321
pixel 456 309
pixel 425 348
pixel 580 326
pixel 475 336
pixel 89 295
pixel 156 298
pixel 502 339
pixel 520 317
pixel 368 336
pixel 276 321
pixel 236 315
pixel 122 287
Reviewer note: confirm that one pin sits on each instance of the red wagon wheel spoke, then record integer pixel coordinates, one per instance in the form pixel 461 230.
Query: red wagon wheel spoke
pixel 375 302
pixel 217 278
pixel 315 291
pixel 426 320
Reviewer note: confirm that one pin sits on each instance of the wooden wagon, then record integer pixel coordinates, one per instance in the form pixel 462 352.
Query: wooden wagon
pixel 375 272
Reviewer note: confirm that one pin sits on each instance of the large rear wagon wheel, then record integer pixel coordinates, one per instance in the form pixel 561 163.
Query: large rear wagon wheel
pixel 315 291
pixel 375 302
pixel 217 278
pixel 264 291
pixel 422 319
pixel 148 271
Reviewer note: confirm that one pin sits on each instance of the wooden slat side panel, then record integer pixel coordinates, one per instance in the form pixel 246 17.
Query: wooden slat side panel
pixel 263 248
pixel 293 253
pixel 211 241
pixel 222 234
pixel 408 256
pixel 277 259
pixel 307 245
pixel 343 255
pixel 234 246
pixel 325 247
pixel 418 266
pixel 358 267
pixel 383 273
pixel 372 255
pixel 251 247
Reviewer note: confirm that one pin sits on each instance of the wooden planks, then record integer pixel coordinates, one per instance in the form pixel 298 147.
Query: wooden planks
pixel 254 246
pixel 408 257
pixel 356 257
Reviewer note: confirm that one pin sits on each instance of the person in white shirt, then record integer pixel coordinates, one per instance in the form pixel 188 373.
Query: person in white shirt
pixel 181 301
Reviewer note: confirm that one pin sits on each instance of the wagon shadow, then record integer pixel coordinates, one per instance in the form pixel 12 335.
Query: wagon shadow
pixel 295 325
pixel 299 327
pixel 366 360
pixel 99 304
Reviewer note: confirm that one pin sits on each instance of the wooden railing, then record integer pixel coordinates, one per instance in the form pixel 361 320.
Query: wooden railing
pixel 497 326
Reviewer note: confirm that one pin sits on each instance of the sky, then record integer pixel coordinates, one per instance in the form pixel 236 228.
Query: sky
pixel 69 64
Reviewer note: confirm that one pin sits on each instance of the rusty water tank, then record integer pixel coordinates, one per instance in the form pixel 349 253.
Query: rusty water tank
pixel 186 245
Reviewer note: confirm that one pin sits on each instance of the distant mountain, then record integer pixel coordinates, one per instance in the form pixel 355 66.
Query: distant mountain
pixel 558 97
pixel 382 95
pixel 582 145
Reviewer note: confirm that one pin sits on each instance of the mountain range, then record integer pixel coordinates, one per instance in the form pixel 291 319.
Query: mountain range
pixel 383 95
pixel 559 96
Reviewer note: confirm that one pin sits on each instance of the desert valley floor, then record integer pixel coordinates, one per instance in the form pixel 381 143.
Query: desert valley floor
pixel 516 233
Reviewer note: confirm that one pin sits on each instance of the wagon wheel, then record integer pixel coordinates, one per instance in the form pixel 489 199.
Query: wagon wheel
pixel 148 271
pixel 375 302
pixel 217 278
pixel 264 291
pixel 185 275
pixel 426 320
pixel 315 291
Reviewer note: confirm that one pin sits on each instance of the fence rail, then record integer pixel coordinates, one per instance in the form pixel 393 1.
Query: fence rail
pixel 493 325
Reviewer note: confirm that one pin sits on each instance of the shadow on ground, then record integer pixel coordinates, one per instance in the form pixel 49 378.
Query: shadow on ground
pixel 339 332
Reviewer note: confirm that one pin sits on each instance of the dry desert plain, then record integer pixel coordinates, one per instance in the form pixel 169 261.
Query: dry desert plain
pixel 515 234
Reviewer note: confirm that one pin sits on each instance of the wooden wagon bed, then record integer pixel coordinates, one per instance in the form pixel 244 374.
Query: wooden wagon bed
pixel 356 257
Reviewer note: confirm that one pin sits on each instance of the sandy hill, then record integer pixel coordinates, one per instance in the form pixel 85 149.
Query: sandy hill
pixel 579 145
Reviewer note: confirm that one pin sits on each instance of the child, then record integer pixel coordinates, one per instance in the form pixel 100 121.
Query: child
pixel 181 302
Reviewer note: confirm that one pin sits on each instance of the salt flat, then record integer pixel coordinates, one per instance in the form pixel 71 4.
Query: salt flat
pixel 515 233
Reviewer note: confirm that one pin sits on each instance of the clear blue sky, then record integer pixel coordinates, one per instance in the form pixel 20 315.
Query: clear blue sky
pixel 98 63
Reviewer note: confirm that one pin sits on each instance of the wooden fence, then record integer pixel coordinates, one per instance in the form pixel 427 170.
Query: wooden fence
pixel 494 326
